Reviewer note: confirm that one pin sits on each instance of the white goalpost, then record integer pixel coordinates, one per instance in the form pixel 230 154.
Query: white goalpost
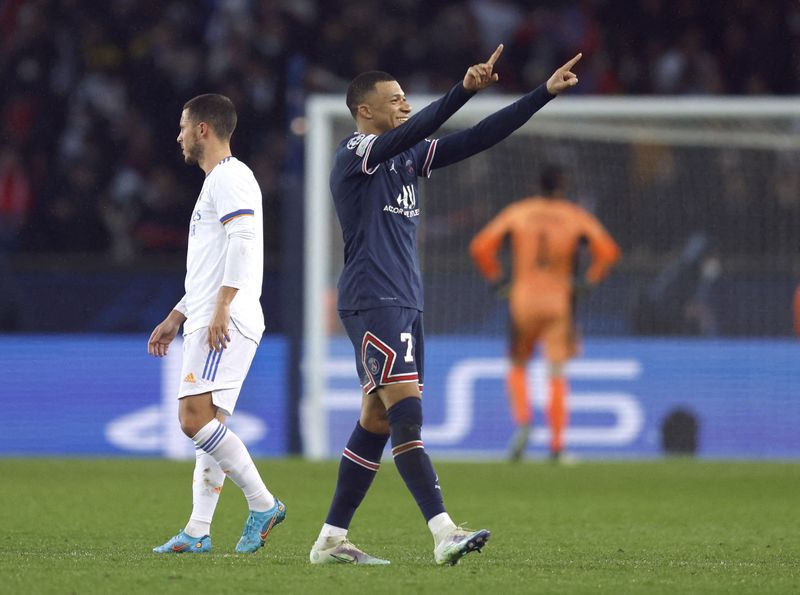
pixel 653 168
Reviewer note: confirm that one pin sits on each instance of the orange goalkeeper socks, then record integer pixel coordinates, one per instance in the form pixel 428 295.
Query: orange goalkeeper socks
pixel 517 385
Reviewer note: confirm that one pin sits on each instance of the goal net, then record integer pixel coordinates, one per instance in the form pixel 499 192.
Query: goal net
pixel 702 195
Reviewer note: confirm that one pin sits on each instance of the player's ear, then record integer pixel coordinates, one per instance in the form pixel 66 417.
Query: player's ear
pixel 364 111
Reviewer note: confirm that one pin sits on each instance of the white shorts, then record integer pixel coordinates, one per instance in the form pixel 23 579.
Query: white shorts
pixel 219 373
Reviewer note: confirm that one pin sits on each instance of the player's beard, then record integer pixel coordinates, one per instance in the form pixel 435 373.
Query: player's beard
pixel 193 154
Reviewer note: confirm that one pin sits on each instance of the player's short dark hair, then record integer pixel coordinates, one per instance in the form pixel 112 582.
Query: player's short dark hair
pixel 551 179
pixel 363 85
pixel 215 110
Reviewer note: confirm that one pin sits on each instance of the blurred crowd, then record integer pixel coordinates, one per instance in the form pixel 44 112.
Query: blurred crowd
pixel 92 92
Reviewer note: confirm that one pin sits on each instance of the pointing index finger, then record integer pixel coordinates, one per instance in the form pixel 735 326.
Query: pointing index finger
pixel 572 62
pixel 493 58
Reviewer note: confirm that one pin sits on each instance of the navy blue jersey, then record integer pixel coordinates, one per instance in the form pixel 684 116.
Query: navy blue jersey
pixel 376 194
pixel 379 212
pixel 374 184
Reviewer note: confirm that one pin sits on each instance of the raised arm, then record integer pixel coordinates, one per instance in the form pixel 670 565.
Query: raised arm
pixel 428 120
pixel 492 129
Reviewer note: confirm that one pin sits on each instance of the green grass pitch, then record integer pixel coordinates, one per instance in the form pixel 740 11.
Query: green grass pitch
pixel 673 526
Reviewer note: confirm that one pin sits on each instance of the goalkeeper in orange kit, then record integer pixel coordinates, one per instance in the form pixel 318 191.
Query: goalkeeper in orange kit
pixel 546 233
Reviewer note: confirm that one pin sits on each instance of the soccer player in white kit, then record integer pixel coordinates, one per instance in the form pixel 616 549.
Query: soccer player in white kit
pixel 222 325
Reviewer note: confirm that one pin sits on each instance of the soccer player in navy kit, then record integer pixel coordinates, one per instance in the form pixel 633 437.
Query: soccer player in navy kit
pixel 375 191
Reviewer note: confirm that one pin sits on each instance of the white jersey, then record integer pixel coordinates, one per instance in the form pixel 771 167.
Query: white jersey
pixel 229 205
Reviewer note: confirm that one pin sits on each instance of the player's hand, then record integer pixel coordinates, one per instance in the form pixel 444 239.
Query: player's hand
pixel 563 78
pixel 218 336
pixel 162 336
pixel 481 75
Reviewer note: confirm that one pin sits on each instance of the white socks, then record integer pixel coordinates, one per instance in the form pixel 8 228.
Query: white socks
pixel 206 486
pixel 440 526
pixel 231 454
pixel 328 535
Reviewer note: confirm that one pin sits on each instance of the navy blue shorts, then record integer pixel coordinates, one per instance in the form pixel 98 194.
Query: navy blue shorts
pixel 389 345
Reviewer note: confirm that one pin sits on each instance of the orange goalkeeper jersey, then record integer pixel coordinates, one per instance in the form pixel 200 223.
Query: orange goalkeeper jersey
pixel 545 235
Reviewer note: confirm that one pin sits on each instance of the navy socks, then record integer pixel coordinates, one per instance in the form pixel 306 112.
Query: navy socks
pixel 360 462
pixel 413 463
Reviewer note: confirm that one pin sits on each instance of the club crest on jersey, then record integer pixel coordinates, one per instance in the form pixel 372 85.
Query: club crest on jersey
pixel 410 166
